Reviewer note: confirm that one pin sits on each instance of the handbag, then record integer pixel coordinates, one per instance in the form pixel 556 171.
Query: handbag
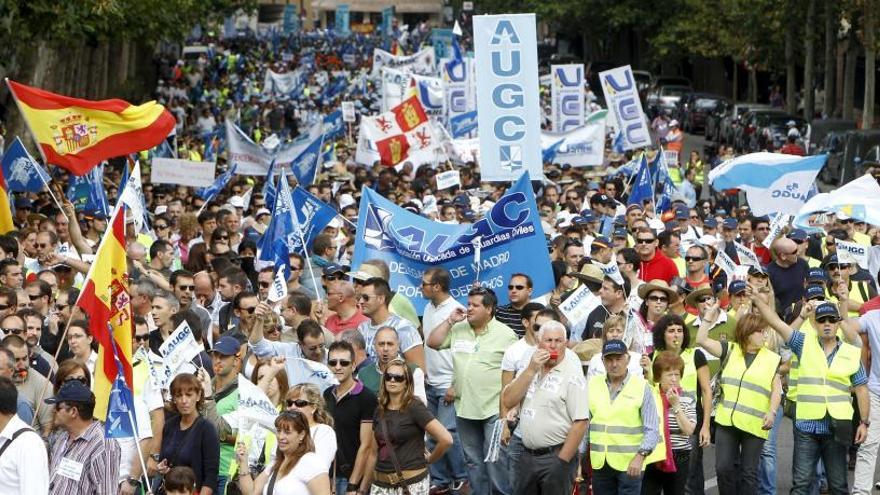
pixel 384 427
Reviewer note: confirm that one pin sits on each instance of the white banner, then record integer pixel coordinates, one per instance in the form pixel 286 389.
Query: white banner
pixel 780 221
pixel 725 263
pixel 281 84
pixel 250 158
pixel 463 150
pixel 584 146
pixel 253 404
pixel 746 256
pixel 419 63
pixel 394 86
pixel 611 270
pixel 181 347
pixel 431 92
pixel 348 113
pixel 567 108
pixel 450 178
pixel 182 172
pixel 622 97
pixel 856 253
pixel 278 289
pixel 579 305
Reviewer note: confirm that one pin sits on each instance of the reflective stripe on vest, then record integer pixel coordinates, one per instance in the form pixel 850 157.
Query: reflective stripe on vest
pixel 746 391
pixel 616 428
pixel 824 389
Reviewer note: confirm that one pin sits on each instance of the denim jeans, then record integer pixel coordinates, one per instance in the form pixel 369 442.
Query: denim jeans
pixel 807 450
pixel 451 467
pixel 608 481
pixel 221 484
pixel 767 466
pixel 515 451
pixel 341 485
pixel 737 455
pixel 485 478
pixel 863 478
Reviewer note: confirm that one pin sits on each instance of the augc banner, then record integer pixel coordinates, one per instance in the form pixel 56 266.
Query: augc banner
pixel 508 101
pixel 567 97
pixel 510 240
pixel 622 97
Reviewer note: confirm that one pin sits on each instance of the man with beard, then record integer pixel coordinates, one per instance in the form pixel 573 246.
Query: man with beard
pixel 41 360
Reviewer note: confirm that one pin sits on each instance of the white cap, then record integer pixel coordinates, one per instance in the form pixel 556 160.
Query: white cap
pixel 710 240
pixel 673 123
pixel 236 201
pixel 794 132
pixel 345 200
pixel 335 223
pixel 263 211
pixel 160 209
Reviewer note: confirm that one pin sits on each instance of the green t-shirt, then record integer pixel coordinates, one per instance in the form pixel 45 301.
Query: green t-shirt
pixel 403 307
pixel 476 362
pixel 226 405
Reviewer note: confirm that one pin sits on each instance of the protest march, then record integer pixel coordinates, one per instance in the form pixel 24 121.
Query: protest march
pixel 423 260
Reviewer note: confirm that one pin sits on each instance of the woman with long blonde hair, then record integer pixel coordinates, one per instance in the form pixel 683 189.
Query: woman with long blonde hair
pixel 297 469
pixel 398 461
pixel 307 399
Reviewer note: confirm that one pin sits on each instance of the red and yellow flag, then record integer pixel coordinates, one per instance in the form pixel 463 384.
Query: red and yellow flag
pixel 105 298
pixel 77 134
pixel 6 224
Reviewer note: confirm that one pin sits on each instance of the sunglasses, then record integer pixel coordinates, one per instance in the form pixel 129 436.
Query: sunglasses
pixel 838 267
pixel 4 307
pixel 338 362
pixel 248 310
pixel 222 238
pixel 297 403
pixel 186 287
pixel 294 268
pixel 14 331
pixel 161 227
pixel 142 338
pixel 394 377
pixel 658 299
pixel 33 297
pixel 694 258
pixel 517 287
pixel 265 285
pixel 704 299
pixel 827 319
pixel 335 276
pixel 645 241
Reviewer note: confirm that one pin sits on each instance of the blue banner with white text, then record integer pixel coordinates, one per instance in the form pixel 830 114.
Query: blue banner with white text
pixel 508 240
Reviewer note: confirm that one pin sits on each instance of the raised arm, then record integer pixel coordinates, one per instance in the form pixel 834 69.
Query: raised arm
pixel 707 321
pixel 771 317
pixel 438 336
pixel 513 394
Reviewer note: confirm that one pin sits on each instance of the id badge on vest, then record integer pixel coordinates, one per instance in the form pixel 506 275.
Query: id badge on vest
pixel 70 469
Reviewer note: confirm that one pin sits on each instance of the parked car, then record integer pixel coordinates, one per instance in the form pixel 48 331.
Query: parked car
pixel 771 130
pixel 665 99
pixel 712 128
pixel 819 128
pixel 643 83
pixel 693 108
pixel 847 152
pixel 730 121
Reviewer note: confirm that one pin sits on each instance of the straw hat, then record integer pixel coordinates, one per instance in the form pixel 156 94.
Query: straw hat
pixel 696 294
pixel 660 285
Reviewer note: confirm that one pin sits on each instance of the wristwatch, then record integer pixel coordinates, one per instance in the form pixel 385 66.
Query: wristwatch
pixel 644 452
pixel 133 482
pixel 866 423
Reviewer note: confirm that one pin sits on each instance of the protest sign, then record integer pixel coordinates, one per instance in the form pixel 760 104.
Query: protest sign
pixel 278 289
pixel 510 234
pixel 857 252
pixel 611 269
pixel 624 103
pixel 508 96
pixel 578 306
pixel 422 62
pixel 182 172
pixel 180 348
pixel 584 146
pixel 254 404
pixel 450 178
pixel 725 263
pixel 567 97
pixel 746 256
pixel 779 222
pixel 348 114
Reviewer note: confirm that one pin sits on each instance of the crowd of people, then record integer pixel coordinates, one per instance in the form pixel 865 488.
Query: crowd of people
pixel 471 396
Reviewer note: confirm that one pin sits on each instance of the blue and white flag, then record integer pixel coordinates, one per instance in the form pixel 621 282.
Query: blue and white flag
pixel 643 186
pixel 21 171
pixel 131 194
pixel 431 92
pixel 859 199
pixel 462 124
pixel 208 193
pixel 87 192
pixel 773 182
pixel 622 97
pixel 342 19
pixel 307 371
pixel 580 147
pixel 312 215
pixel 305 166
pixel 120 407
pixel 281 83
pixel 334 126
pixel 269 187
pixel 510 236
pixel 250 158
pixel 508 96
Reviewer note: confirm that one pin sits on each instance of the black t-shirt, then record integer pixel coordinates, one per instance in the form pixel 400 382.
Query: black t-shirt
pixel 788 283
pixel 406 430
pixel 595 322
pixel 348 414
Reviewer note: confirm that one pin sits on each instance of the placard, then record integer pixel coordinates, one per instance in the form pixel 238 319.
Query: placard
pixel 182 172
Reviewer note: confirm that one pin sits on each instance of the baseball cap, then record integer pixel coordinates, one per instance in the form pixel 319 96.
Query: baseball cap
pixel 22 203
pixel 682 213
pixel 756 271
pixel 620 233
pixel 263 211
pixel 736 287
pixel 799 235
pixel 588 215
pixel 832 259
pixel 614 346
pixel 366 272
pixel 710 223
pixel 602 241
pixel 72 391
pixel 579 221
pixel 335 268
pixel 236 201
pixel 730 223
pixel 817 275
pixel 226 346
pixel 814 292
pixel 827 309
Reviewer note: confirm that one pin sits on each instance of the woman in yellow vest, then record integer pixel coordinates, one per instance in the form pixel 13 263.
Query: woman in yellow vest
pixel 751 391
pixel 670 334
pixel 678 415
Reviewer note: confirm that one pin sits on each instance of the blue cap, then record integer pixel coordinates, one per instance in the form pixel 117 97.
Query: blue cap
pixel 730 223
pixel 620 220
pixel 614 347
pixel 588 215
pixel 736 287
pixel 832 259
pixel 592 186
pixel 814 292
pixel 72 391
pixel 461 200
pixel 226 346
pixel 620 233
pixel 335 268
pixel 602 241
pixel 827 309
pixel 470 216
pixel 579 221
pixel 682 213
pixel 23 203
pixel 817 275
pixel 710 223
pixel 799 235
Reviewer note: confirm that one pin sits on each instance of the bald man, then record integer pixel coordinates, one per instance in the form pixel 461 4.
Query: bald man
pixel 787 272
pixel 346 314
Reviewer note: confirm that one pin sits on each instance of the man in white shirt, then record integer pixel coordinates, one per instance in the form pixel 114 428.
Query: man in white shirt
pixel 24 463
pixel 450 472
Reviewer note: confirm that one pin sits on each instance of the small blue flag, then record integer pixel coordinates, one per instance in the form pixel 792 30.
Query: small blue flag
pixel 208 193
pixel 642 186
pixel 87 192
pixel 269 188
pixel 22 172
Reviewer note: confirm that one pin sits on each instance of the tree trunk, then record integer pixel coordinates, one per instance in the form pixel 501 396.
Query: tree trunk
pixel 870 58
pixel 849 80
pixel 735 79
pixel 790 70
pixel 809 60
pixel 830 62
pixel 753 84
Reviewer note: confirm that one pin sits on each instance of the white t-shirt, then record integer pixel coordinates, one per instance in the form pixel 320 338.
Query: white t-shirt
pixel 24 467
pixel 516 357
pixel 870 323
pixel 325 445
pixel 296 482
pixel 438 363
pixel 597 366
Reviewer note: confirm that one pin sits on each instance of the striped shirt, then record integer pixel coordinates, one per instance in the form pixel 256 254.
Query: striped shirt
pixel 97 457
pixel 511 317
pixel 677 439
pixel 820 426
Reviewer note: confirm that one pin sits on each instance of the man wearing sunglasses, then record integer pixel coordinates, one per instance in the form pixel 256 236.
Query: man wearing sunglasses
pixel 374 297
pixel 519 292
pixel 787 272
pixel 840 274
pixel 184 289
pixel 386 345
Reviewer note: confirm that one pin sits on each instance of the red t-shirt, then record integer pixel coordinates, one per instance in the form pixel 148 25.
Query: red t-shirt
pixel 337 325
pixel 870 305
pixel 659 267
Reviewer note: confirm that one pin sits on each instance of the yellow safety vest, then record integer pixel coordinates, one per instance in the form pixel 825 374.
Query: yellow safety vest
pixel 700 176
pixel 858 293
pixel 616 427
pixel 746 391
pixel 824 389
pixel 675 175
pixel 689 378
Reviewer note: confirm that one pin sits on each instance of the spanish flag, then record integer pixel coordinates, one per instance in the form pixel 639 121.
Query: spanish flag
pixel 6 224
pixel 78 134
pixel 105 298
